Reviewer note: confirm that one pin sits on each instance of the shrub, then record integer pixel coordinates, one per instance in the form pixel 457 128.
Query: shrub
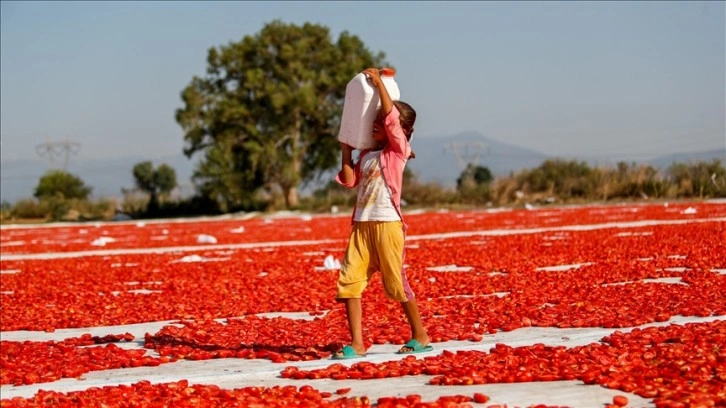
pixel 427 194
pixel 474 194
pixel 60 183
pixel 701 179
pixel 28 208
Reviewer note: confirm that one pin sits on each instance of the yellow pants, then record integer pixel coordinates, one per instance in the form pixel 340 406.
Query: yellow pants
pixel 374 246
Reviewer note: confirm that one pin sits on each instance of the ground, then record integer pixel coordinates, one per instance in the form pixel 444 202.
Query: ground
pixel 541 306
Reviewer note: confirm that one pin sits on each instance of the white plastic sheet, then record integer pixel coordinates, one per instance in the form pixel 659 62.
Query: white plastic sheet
pixel 206 239
pixel 102 241
pixel 330 263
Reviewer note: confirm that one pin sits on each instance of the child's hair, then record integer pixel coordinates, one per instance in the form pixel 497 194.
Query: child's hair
pixel 407 117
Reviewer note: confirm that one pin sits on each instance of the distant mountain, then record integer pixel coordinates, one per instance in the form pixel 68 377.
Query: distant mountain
pixel 442 159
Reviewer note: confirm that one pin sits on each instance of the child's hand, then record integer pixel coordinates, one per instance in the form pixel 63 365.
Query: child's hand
pixel 374 76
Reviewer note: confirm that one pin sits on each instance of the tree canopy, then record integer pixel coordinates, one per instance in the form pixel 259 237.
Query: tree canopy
pixel 154 181
pixel 474 175
pixel 267 112
pixel 61 184
pixel 157 182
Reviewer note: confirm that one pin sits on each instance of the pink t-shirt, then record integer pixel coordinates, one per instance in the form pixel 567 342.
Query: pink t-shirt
pixel 374 201
pixel 393 160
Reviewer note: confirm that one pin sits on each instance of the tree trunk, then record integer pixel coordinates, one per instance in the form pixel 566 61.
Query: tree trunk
pixel 290 187
pixel 291 198
pixel 152 209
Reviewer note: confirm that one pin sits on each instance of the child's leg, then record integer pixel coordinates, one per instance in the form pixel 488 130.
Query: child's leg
pixel 410 309
pixel 352 280
pixel 354 310
pixel 390 242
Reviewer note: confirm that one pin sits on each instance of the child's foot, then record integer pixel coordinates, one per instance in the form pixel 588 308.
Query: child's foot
pixel 349 352
pixel 416 345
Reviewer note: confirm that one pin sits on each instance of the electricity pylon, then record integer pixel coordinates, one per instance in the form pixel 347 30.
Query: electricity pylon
pixel 62 150
pixel 467 152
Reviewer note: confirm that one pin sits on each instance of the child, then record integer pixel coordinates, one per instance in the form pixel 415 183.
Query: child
pixel 377 238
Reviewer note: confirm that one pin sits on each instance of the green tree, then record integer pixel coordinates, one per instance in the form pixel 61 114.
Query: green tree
pixel 221 179
pixel 473 184
pixel 157 182
pixel 61 184
pixel 266 114
pixel 474 175
pixel 165 179
pixel 144 176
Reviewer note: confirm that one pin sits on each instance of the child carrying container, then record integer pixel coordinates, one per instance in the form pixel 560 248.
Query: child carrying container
pixel 377 238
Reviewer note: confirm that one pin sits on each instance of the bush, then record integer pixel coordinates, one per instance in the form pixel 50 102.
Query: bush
pixel 332 194
pixel 474 194
pixel 194 206
pixel 702 180
pixel 427 194
pixel 28 208
pixel 102 209
pixel 60 183
pixel 57 208
pixel 134 203
pixel 567 179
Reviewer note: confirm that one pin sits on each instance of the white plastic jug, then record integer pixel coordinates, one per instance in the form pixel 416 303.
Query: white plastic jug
pixel 361 107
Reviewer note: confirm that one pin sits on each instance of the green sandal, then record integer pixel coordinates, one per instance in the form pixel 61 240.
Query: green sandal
pixel 347 353
pixel 415 347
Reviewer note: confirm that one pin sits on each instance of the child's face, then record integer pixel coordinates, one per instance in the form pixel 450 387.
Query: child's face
pixel 379 132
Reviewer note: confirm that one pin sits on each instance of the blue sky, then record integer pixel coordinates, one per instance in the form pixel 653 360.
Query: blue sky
pixel 617 80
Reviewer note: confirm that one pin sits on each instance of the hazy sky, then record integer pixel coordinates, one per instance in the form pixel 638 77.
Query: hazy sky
pixel 607 79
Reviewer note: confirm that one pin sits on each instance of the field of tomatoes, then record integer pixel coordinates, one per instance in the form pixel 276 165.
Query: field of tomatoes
pixel 289 227
pixel 475 274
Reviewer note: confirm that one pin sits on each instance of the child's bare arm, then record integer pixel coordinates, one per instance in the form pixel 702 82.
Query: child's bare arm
pixel 375 77
pixel 347 173
pixel 397 139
